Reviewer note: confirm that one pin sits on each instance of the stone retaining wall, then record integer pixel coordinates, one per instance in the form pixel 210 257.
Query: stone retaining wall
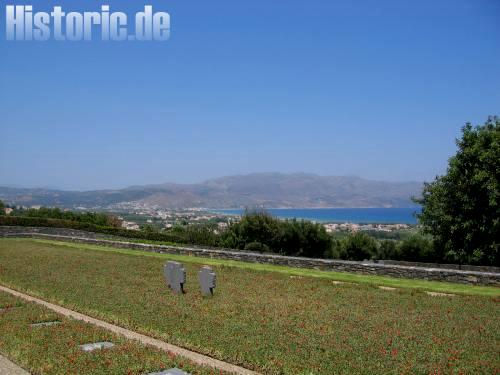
pixel 367 268
pixel 462 267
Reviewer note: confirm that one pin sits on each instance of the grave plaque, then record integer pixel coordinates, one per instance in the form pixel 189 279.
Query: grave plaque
pixel 207 279
pixel 172 371
pixel 43 324
pixel 96 346
pixel 175 275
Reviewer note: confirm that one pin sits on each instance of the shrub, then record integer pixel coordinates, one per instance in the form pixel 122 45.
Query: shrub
pixel 287 237
pixel 199 234
pixel 417 249
pixel 358 246
pixel 388 249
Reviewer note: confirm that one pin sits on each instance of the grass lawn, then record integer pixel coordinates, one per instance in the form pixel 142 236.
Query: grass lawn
pixel 55 349
pixel 269 318
pixel 291 271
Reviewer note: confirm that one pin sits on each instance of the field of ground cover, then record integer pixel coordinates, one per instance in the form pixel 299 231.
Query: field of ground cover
pixel 418 284
pixel 55 349
pixel 274 322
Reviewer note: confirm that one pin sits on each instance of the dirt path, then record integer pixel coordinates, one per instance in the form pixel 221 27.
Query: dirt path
pixel 9 368
pixel 194 357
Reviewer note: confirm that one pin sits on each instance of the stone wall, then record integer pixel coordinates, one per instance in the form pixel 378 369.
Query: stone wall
pixel 462 267
pixel 367 268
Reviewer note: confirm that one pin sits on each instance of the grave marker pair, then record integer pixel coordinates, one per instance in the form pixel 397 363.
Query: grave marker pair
pixel 175 275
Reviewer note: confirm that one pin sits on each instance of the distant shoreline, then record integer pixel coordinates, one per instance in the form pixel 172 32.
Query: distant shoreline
pixel 369 215
pixel 308 208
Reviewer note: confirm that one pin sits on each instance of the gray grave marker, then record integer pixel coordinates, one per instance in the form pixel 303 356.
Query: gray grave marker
pixel 96 346
pixel 43 324
pixel 207 279
pixel 175 275
pixel 172 371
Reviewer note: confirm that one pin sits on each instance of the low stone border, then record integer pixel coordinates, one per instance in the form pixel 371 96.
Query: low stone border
pixel 8 367
pixel 461 267
pixel 366 268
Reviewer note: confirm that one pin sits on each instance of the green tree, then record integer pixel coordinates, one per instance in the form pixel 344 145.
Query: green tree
pixel 388 249
pixel 2 206
pixel 259 231
pixel 416 248
pixel 461 209
pixel 358 246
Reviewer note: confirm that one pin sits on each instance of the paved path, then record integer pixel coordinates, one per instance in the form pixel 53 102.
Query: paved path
pixel 194 357
pixel 9 368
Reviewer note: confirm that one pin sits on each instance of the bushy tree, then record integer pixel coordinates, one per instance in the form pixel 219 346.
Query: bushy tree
pixel 358 246
pixel 304 238
pixel 258 226
pixel 461 209
pixel 2 207
pixel 388 249
pixel 198 234
pixel 416 248
pixel 259 231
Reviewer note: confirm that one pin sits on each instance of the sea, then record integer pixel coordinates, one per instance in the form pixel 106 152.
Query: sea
pixel 404 215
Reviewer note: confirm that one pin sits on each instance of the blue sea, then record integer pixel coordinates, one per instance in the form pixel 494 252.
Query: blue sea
pixel 342 215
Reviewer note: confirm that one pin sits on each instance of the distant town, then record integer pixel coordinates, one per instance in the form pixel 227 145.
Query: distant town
pixel 135 215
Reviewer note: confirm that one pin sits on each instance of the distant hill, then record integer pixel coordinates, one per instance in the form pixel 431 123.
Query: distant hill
pixel 270 190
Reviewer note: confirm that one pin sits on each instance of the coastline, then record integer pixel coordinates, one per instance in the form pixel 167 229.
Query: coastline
pixel 369 215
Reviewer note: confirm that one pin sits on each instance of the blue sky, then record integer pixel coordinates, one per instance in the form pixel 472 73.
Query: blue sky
pixel 377 89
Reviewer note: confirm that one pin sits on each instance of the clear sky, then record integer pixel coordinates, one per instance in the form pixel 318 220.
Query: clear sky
pixel 376 88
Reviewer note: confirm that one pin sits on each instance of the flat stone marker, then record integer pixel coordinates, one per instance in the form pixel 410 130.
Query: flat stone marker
pixel 438 294
pixel 175 275
pixel 208 280
pixel 386 287
pixel 96 346
pixel 335 282
pixel 44 324
pixel 172 371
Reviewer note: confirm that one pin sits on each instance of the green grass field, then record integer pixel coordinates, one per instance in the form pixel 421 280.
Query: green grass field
pixel 272 319
pixel 55 349
pixel 291 271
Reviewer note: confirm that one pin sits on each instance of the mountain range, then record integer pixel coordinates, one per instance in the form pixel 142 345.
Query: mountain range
pixel 270 190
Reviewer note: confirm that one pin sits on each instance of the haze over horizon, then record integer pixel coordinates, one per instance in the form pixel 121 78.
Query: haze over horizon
pixel 48 187
pixel 272 190
pixel 245 87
